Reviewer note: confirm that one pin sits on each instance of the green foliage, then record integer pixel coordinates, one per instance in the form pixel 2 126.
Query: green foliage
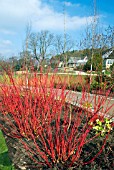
pixel 112 71
pixel 98 84
pixel 5 163
pixel 102 127
pixel 96 63
pixel 17 67
pixel 87 66
pixel 112 67
pixel 3 147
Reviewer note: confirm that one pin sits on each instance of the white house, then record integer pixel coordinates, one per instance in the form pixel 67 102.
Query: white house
pixel 108 59
pixel 76 61
pixel 72 62
pixel 60 64
pixel 108 62
pixel 82 62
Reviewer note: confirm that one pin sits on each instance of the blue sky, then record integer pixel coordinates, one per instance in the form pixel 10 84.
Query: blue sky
pixel 47 15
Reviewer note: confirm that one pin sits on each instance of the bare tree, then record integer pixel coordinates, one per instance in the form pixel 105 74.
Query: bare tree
pixel 45 42
pixel 33 44
pixel 40 45
pixel 26 44
pixel 110 36
pixel 62 45
pixel 59 43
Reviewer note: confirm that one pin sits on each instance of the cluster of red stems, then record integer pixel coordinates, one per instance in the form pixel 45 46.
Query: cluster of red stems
pixel 42 118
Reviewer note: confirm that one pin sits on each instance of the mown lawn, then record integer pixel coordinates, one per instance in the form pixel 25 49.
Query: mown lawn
pixel 5 163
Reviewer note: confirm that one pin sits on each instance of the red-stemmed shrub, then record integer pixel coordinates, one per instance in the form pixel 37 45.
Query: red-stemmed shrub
pixel 52 124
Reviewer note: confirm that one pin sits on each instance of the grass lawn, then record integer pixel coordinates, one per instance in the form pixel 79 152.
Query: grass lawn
pixel 5 163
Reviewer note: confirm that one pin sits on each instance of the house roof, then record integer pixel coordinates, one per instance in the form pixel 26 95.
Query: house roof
pixel 109 54
pixel 73 60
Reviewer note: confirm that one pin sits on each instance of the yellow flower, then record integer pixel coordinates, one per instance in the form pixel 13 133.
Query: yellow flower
pixel 87 105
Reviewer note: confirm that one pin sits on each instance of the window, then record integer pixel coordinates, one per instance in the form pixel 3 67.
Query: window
pixel 109 61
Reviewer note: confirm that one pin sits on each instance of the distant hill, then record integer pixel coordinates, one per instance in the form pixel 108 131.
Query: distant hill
pixel 78 54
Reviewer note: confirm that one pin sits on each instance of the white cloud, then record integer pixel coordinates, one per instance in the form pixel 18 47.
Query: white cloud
pixel 17 13
pixel 7 42
pixel 14 12
pixel 76 22
pixel 20 8
pixel 77 5
pixel 7 32
pixel 68 3
pixel 55 21
pixel 5 47
pixel 9 47
pixel 5 51
pixel 4 43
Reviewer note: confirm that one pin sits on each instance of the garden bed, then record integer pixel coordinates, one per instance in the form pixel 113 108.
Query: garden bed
pixel 45 128
pixel 21 161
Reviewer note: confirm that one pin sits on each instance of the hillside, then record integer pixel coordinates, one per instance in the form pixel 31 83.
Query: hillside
pixel 76 53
